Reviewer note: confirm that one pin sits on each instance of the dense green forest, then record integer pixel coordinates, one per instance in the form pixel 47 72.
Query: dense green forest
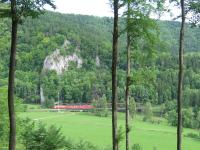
pixel 154 75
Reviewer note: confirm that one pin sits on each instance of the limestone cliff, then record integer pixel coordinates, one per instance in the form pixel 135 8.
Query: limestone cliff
pixel 60 63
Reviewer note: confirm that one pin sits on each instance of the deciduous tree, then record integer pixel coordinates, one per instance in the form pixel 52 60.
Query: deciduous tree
pixel 114 74
pixel 188 7
pixel 19 9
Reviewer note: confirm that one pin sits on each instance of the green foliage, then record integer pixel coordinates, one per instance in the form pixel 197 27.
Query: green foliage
pixel 120 134
pixel 100 107
pixel 154 148
pixel 188 118
pixel 82 145
pixel 38 136
pixel 99 127
pixel 198 120
pixel 3 115
pixel 154 78
pixel 147 112
pixel 49 103
pixel 144 81
pixel 136 147
pixel 26 8
pixel 172 117
pixel 51 85
pixel 4 119
pixel 192 10
pixel 4 10
pixel 132 107
pixel 193 135
pixel 170 105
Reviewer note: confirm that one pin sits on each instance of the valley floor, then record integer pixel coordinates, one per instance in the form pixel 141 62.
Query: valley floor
pixel 97 130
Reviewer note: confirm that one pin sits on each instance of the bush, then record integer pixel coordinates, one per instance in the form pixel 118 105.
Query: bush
pixel 154 148
pixel 120 134
pixel 41 137
pixel 188 118
pixel 170 105
pixel 4 118
pixel 156 120
pixel 172 117
pixel 147 112
pixel 49 103
pixel 136 147
pixel 23 108
pixel 193 135
pixel 198 120
pixel 100 107
pixel 132 107
pixel 4 125
pixel 82 145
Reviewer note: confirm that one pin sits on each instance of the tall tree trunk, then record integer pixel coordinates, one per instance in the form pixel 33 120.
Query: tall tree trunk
pixel 114 76
pixel 180 78
pixel 128 73
pixel 11 108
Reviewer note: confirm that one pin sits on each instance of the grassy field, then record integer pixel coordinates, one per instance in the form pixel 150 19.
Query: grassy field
pixel 82 126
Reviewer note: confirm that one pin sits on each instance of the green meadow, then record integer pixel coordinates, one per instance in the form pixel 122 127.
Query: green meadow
pixel 97 130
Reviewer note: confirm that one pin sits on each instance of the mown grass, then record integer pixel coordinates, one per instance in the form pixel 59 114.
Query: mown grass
pixel 82 126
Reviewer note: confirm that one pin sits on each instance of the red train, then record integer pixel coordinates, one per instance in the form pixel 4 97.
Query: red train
pixel 74 107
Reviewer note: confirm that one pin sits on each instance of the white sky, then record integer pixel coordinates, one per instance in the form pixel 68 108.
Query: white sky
pixel 86 7
pixel 94 7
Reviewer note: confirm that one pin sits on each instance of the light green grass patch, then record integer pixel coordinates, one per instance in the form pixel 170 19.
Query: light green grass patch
pixel 81 126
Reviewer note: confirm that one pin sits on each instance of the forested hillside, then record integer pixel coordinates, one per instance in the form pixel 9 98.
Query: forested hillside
pixel 90 39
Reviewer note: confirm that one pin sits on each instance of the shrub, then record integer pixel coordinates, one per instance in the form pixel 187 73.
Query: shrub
pixel 132 107
pixel 121 134
pixel 172 117
pixel 49 103
pixel 136 147
pixel 188 118
pixel 4 125
pixel 193 135
pixel 147 112
pixel 82 145
pixel 101 107
pixel 154 148
pixel 198 120
pixel 170 105
pixel 40 137
pixel 4 118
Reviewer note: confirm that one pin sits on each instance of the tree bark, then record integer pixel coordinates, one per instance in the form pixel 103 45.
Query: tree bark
pixel 180 78
pixel 114 76
pixel 128 74
pixel 12 67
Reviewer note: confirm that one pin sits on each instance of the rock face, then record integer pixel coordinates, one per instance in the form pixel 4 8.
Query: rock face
pixel 60 63
pixel 42 98
pixel 97 61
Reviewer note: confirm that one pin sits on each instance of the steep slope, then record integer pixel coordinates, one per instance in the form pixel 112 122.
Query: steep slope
pixel 80 71
pixel 60 63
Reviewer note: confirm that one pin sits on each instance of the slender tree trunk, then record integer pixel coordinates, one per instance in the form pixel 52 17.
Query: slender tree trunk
pixel 11 108
pixel 128 73
pixel 114 76
pixel 180 78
